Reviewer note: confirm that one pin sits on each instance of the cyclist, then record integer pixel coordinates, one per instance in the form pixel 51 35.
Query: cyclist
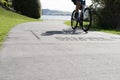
pixel 78 4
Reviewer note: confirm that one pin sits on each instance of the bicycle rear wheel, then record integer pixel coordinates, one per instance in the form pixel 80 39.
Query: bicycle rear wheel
pixel 74 20
pixel 86 19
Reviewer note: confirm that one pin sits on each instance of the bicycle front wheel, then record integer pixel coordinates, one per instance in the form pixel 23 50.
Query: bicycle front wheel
pixel 74 20
pixel 86 19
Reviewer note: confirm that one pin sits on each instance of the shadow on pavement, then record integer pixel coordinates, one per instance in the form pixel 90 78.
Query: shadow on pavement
pixel 63 31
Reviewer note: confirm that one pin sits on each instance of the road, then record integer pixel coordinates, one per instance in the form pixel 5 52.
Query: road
pixel 48 50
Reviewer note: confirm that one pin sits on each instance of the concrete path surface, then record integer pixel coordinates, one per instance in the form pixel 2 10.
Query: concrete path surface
pixel 49 51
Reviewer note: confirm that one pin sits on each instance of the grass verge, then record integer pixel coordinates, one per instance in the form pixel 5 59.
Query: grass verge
pixel 9 19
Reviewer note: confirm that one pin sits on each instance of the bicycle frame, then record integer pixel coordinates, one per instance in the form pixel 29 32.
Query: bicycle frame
pixel 83 4
pixel 80 21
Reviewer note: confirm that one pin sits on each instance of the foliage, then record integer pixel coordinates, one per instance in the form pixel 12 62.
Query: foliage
pixel 6 4
pixel 108 13
pixel 29 8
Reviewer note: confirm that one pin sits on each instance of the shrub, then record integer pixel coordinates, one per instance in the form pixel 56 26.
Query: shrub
pixel 29 8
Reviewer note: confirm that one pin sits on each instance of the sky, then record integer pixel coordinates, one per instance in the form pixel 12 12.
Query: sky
pixel 64 5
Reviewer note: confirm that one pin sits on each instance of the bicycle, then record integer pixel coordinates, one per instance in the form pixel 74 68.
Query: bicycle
pixel 83 20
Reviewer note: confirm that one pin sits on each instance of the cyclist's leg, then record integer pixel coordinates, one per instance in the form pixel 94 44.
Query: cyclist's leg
pixel 78 5
pixel 77 8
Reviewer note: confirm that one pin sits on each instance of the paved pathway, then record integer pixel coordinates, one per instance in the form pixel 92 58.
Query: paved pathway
pixel 49 51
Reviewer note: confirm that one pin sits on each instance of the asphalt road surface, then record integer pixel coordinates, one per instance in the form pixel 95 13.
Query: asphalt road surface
pixel 48 50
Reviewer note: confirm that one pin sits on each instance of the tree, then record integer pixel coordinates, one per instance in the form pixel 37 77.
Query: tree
pixel 5 3
pixel 29 8
pixel 109 14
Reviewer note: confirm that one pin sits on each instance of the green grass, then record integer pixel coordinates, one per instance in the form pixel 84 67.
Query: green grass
pixel 93 28
pixel 111 31
pixel 9 19
pixel 67 22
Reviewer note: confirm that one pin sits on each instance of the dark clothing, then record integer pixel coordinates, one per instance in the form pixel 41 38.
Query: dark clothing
pixel 81 1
